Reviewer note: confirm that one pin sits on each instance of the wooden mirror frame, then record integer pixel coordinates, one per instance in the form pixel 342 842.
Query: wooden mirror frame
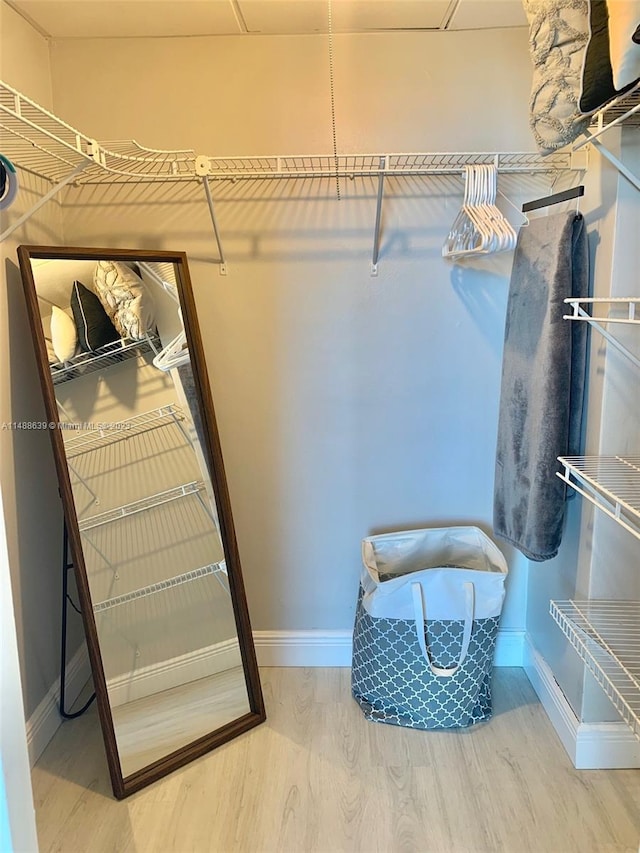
pixel 124 786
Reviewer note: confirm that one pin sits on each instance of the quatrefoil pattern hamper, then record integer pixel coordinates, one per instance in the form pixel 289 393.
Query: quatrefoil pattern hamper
pixel 426 626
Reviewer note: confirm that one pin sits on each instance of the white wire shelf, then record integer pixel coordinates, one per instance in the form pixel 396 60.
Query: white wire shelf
pixel 108 434
pixel 36 140
pixel 194 488
pixel 611 483
pixel 103 358
pixel 39 142
pixel 161 586
pixel 606 635
pixel 630 305
pixel 623 110
pixel 376 165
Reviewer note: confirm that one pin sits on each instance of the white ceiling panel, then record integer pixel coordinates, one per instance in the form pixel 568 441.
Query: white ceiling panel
pixel 363 15
pixel 277 17
pixel 129 18
pixel 311 16
pixel 485 14
pixel 137 18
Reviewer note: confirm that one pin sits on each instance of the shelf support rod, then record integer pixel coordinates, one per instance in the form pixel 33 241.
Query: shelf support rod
pixel 207 191
pixel 45 198
pixel 604 127
pixel 608 336
pixel 624 171
pixel 376 233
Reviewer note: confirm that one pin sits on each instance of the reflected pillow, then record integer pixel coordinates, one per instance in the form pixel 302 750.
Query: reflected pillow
pixel 125 298
pixel 63 334
pixel 93 325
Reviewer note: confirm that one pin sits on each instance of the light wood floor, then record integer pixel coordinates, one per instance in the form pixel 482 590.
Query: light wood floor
pixel 318 778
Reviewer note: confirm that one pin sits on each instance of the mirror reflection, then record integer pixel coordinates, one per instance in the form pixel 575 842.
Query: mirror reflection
pixel 131 427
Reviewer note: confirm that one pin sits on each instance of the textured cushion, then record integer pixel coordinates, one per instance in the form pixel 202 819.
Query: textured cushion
pixel 584 54
pixel 558 37
pixel 63 334
pixel 94 327
pixel 125 298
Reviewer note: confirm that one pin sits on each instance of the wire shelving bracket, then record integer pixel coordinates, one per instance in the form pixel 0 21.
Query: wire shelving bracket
pixel 580 313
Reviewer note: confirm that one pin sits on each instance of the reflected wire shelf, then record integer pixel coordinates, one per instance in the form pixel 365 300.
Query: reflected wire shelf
pixel 103 358
pixel 161 586
pixel 194 488
pixel 606 635
pixel 109 434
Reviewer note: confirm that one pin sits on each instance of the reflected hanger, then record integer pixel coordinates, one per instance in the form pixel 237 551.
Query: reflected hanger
pixel 176 352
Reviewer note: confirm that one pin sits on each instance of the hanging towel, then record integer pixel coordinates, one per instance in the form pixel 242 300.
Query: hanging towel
pixel 543 373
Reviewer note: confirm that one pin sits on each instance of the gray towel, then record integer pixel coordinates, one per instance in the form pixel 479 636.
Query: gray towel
pixel 191 393
pixel 543 374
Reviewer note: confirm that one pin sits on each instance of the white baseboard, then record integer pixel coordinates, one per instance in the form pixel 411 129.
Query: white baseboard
pixel 333 648
pixel 590 746
pixel 45 720
pixel 273 648
pixel 303 648
pixel 509 647
pixel 155 678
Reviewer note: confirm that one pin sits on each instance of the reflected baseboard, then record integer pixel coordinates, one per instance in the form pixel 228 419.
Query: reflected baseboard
pixel 333 648
pixel 175 672
pixel 45 720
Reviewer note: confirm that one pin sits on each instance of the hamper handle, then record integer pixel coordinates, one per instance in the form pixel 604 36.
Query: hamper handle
pixel 420 618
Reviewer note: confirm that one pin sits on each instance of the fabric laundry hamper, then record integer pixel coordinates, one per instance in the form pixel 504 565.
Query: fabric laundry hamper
pixel 426 627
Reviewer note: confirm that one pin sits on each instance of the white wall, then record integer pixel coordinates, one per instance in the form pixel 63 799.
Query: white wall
pixel 29 484
pixel 17 816
pixel 28 666
pixel 347 405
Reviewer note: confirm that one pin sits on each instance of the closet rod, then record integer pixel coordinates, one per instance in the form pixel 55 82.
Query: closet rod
pixel 376 233
pixel 556 198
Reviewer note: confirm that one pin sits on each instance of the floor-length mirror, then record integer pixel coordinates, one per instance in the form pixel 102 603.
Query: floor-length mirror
pixel 146 504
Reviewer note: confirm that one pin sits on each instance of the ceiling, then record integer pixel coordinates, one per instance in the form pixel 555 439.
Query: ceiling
pixel 166 18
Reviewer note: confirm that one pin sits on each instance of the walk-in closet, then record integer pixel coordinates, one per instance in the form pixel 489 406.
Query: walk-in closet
pixel 331 316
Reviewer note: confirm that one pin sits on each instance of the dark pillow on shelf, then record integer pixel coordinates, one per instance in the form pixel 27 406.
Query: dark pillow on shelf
pixel 95 329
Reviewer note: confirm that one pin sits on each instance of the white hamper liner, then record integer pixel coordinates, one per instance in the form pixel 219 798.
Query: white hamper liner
pixel 426 625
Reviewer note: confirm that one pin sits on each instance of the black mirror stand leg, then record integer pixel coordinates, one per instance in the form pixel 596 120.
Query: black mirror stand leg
pixel 67 564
